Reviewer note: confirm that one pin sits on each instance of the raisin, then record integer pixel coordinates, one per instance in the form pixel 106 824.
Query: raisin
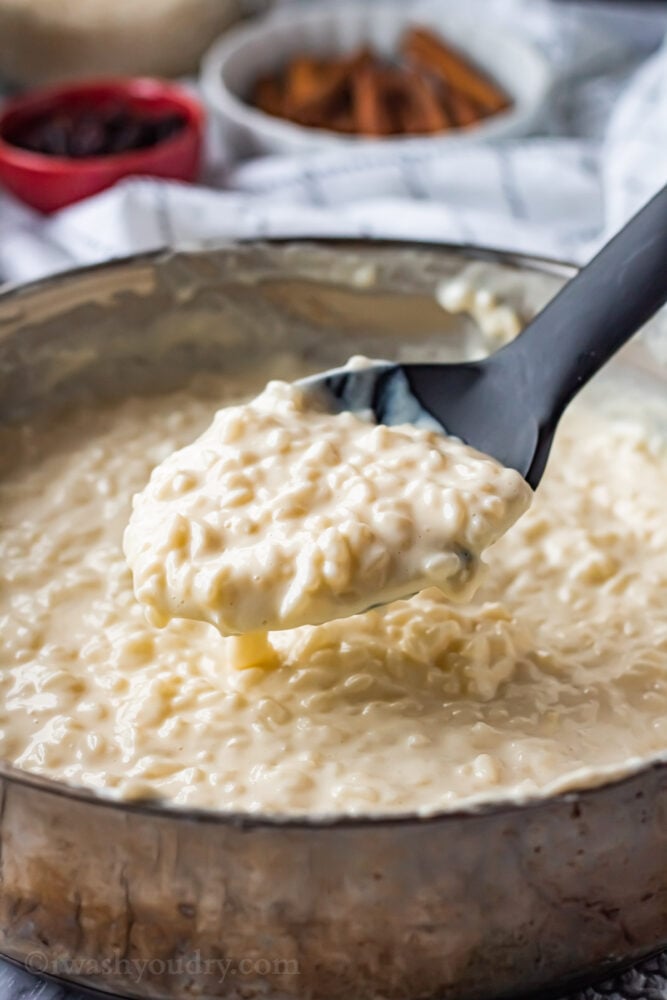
pixel 83 132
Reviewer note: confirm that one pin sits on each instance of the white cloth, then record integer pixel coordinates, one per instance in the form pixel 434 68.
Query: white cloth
pixel 600 151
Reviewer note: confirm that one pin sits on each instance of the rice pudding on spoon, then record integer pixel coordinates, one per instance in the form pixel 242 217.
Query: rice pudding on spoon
pixel 300 507
pixel 283 514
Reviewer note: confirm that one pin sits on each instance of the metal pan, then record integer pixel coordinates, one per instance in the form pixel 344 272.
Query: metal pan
pixel 152 901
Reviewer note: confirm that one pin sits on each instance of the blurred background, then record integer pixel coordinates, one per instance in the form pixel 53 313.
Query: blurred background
pixel 533 125
pixel 45 41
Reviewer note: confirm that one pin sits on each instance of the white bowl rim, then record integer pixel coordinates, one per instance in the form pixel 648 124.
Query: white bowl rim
pixel 289 134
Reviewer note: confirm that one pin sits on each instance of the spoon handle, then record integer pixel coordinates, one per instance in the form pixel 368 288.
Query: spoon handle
pixel 595 313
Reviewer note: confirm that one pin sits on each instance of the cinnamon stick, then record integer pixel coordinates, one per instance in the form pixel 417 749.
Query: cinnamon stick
pixel 268 96
pixel 432 54
pixel 435 88
pixel 463 109
pixel 369 107
pixel 423 110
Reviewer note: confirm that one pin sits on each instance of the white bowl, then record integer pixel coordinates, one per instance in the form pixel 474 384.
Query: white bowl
pixel 235 62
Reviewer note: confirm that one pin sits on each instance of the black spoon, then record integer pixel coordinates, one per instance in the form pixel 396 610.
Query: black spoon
pixel 509 404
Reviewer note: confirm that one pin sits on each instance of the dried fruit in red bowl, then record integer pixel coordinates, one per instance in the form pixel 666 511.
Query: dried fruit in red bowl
pixel 94 130
pixel 61 144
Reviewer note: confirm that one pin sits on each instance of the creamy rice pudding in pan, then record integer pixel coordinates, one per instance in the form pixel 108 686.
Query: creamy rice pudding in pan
pixel 552 676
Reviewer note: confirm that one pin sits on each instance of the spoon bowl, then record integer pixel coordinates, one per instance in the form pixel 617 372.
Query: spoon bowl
pixel 508 405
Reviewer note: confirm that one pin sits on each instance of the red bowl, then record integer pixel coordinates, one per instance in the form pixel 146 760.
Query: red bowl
pixel 48 183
